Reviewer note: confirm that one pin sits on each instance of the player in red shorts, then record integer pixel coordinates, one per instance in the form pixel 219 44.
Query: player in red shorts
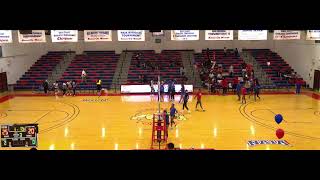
pixel 198 96
pixel 243 92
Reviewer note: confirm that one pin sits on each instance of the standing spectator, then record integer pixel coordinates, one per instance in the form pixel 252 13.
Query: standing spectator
pixel 140 79
pixel 84 76
pixel 243 92
pixel 99 86
pixel 74 87
pixel 231 70
pixel 45 86
pixel 225 51
pixel 236 52
pixel 235 83
pixel 182 71
pixel 69 86
pixel 64 88
pixel 224 84
pixel 56 89
pixel 208 54
pixel 145 80
pixel 151 86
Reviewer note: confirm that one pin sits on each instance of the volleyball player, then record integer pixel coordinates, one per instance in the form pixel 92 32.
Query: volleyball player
pixel 182 92
pixel 173 112
pixel 198 96
pixel 256 88
pixel 185 101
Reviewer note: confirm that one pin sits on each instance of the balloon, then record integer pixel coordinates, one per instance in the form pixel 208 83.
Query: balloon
pixel 278 118
pixel 280 133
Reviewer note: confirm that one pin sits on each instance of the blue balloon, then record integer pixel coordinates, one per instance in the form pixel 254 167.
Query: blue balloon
pixel 278 118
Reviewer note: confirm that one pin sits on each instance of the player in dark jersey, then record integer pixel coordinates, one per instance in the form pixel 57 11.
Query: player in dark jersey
pixel 173 112
pixel 185 101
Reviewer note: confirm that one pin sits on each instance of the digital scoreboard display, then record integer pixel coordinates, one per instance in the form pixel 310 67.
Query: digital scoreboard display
pixel 19 135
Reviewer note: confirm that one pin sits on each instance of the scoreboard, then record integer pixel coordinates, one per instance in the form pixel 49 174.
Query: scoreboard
pixel 19 135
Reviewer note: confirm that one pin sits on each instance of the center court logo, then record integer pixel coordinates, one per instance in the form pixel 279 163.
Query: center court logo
pixel 252 143
pixel 94 100
pixel 145 116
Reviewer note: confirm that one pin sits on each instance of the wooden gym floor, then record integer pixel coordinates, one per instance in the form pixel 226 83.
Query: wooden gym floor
pixel 124 122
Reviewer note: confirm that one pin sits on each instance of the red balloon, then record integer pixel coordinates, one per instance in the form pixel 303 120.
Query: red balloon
pixel 280 133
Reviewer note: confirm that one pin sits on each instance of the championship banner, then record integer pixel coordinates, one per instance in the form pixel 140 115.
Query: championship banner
pixel 286 35
pixel 37 36
pixel 183 35
pixel 253 34
pixel 313 34
pixel 219 35
pixel 5 36
pixel 97 35
pixel 131 35
pixel 64 35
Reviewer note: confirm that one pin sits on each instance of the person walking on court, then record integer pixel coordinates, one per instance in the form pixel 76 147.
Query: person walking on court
pixel 99 87
pixel 64 88
pixel 173 112
pixel 173 91
pixel 243 92
pixel 56 89
pixel 256 89
pixel 45 86
pixel 166 117
pixel 182 92
pixel 238 89
pixel 224 84
pixel 185 101
pixel 74 87
pixel 298 86
pixel 151 86
pixel 198 96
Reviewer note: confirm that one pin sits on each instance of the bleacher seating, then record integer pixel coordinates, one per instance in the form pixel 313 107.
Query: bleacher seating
pixel 225 61
pixel 40 71
pixel 277 66
pixel 163 60
pixel 97 64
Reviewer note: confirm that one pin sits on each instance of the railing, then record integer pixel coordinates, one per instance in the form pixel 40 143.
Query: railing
pixel 120 72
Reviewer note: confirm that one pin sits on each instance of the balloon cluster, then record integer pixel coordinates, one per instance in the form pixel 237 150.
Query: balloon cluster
pixel 280 133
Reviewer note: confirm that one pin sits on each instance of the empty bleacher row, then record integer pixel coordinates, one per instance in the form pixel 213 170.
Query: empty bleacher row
pixel 102 65
pixel 97 64
pixel 168 64
pixel 40 71
pixel 277 68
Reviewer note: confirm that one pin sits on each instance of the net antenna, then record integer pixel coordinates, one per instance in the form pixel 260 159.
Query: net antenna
pixel 159 97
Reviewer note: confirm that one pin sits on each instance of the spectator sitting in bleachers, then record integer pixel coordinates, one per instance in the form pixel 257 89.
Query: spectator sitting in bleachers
pixel 225 51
